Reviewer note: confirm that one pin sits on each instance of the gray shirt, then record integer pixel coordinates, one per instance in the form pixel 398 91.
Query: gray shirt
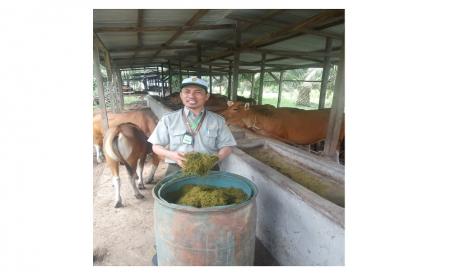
pixel 213 134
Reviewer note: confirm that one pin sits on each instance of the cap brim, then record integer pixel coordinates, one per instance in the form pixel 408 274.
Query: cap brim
pixel 196 84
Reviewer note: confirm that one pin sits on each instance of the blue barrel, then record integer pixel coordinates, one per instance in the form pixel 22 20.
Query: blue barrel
pixel 220 235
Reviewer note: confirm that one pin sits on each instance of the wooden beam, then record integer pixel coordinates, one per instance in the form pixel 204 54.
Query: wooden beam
pixel 101 96
pixel 189 23
pixel 312 22
pixel 335 22
pixel 302 54
pixel 273 76
pixel 258 21
pixel 163 28
pixel 152 48
pixel 221 42
pixel 211 43
pixel 274 23
pixel 218 66
pixel 99 43
pixel 280 86
pixel 325 76
pixel 336 115
pixel 262 76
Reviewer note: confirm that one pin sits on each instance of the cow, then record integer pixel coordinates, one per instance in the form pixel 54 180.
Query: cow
pixel 290 125
pixel 127 143
pixel 144 119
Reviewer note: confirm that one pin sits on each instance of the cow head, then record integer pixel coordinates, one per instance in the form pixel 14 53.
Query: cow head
pixel 235 113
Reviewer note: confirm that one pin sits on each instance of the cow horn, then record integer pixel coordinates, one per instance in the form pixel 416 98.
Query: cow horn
pixel 230 103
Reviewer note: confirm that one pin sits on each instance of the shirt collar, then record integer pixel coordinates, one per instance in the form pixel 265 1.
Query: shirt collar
pixel 187 111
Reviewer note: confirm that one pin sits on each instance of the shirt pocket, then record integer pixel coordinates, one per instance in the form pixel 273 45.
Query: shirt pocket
pixel 212 135
pixel 177 135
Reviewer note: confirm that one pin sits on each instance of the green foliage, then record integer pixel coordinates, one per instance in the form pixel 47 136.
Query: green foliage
pixel 202 196
pixel 198 163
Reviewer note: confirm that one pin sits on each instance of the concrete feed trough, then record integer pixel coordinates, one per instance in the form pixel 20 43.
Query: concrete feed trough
pixel 296 225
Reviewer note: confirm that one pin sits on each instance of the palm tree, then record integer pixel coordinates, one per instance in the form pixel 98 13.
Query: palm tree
pixel 304 88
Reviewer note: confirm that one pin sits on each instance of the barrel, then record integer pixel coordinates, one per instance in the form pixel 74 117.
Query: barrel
pixel 220 235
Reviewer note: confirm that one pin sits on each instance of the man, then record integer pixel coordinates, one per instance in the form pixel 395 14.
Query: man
pixel 191 128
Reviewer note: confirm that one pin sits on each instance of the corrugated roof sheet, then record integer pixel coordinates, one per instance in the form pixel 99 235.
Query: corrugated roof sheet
pixel 128 18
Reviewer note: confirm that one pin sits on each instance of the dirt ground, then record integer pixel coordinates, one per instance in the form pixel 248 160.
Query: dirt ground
pixel 123 236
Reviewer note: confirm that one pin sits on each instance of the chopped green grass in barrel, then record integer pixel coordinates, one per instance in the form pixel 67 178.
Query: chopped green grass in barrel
pixel 202 196
pixel 198 164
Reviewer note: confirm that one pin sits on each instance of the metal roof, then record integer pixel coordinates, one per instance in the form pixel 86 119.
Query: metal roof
pixel 289 38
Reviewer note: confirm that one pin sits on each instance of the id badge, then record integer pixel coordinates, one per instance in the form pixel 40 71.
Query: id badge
pixel 187 139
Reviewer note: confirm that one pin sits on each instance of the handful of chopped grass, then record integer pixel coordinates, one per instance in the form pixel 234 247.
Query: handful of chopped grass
pixel 202 196
pixel 198 164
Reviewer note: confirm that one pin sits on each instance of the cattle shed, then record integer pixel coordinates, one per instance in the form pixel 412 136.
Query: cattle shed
pixel 222 43
pixel 214 44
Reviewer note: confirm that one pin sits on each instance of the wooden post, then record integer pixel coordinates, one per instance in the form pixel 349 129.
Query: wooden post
pixel 199 60
pixel 118 83
pixel 252 94
pixel 169 77
pixel 162 81
pixel 325 76
pixel 210 78
pixel 101 96
pixel 106 58
pixel 229 80
pixel 111 84
pixel 221 83
pixel 336 115
pixel 262 76
pixel 180 76
pixel 236 63
pixel 158 77
pixel 280 85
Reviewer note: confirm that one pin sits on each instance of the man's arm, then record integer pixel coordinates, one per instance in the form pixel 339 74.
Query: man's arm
pixel 224 152
pixel 173 155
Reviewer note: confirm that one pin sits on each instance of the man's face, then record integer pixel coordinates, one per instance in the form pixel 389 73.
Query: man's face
pixel 194 97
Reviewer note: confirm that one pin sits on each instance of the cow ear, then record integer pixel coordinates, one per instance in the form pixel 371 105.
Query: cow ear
pixel 246 106
pixel 230 103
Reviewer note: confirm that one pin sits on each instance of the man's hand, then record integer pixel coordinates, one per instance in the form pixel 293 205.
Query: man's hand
pixel 178 157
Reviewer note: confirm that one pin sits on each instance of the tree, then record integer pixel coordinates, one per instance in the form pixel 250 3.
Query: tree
pixel 304 88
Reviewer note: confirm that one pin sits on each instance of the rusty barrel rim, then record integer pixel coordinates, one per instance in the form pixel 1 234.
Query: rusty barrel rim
pixel 176 177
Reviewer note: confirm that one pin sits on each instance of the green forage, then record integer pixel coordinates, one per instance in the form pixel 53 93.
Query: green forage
pixel 202 196
pixel 198 164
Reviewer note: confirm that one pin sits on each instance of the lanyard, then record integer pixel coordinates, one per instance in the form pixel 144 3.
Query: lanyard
pixel 193 132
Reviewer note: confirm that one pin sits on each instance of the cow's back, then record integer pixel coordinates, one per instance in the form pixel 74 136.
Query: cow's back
pixel 144 119
pixel 296 125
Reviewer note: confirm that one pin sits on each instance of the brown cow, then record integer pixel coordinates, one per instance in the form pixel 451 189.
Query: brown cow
pixel 126 143
pixel 144 119
pixel 291 125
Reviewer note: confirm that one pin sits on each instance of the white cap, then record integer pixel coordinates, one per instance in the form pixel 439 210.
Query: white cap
pixel 195 81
